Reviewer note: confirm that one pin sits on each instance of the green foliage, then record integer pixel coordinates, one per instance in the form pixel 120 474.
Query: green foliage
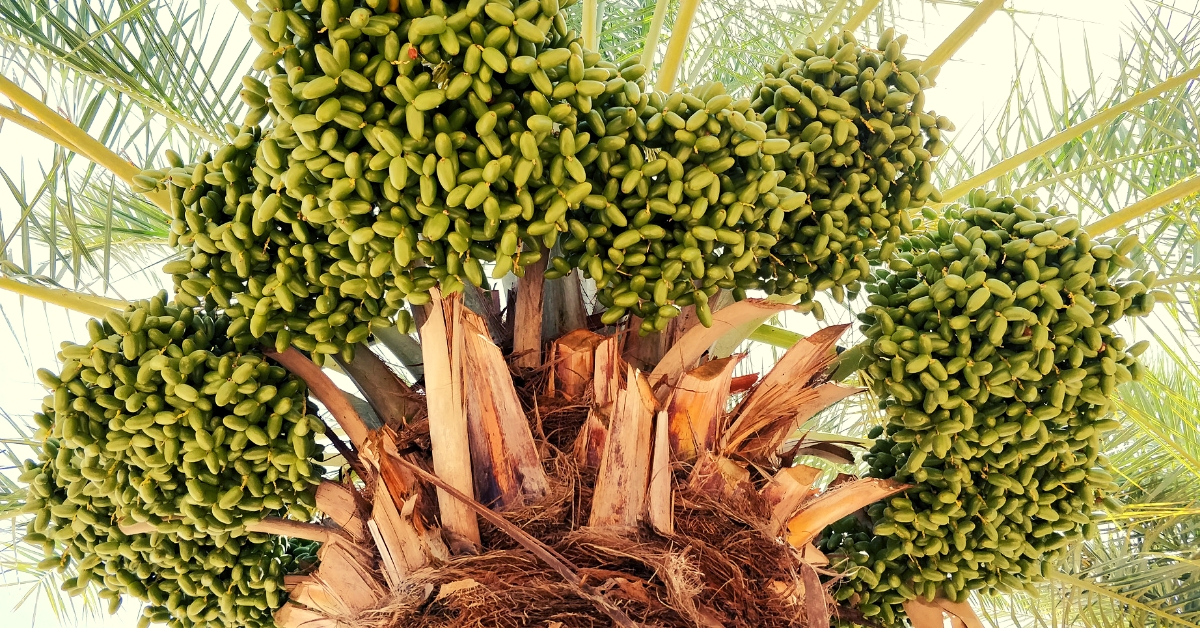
pixel 174 88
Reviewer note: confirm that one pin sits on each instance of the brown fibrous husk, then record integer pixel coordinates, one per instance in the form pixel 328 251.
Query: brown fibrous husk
pixel 717 569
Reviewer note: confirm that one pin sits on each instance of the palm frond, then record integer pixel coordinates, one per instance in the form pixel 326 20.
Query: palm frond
pixel 170 73
pixel 86 225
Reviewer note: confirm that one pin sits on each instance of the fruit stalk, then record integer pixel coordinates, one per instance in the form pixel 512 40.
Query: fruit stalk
pixel 676 46
pixel 87 145
pixel 30 124
pixel 74 301
pixel 656 24
pixel 962 33
pixel 860 15
pixel 1179 190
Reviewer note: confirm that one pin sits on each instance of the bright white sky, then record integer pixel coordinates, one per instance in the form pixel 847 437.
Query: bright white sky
pixel 970 89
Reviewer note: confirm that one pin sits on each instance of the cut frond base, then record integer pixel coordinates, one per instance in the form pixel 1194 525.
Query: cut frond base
pixel 635 530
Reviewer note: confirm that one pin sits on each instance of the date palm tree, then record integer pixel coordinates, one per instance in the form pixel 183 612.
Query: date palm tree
pixel 107 86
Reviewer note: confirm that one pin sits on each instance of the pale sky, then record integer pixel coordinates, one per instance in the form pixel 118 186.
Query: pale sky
pixel 970 89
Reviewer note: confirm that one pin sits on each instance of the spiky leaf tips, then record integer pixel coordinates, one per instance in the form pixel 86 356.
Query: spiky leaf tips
pixel 995 358
pixel 161 420
pixel 450 142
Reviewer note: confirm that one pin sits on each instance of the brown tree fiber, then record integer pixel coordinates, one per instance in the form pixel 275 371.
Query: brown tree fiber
pixel 605 503
pixel 718 567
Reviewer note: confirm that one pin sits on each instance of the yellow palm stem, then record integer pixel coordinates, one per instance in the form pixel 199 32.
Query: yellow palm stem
pixel 84 144
pixel 656 24
pixel 1182 189
pixel 1071 133
pixel 112 304
pixel 962 33
pixel 591 30
pixel 827 23
pixel 676 46
pixel 242 8
pixel 22 120
pixel 84 304
pixel 861 15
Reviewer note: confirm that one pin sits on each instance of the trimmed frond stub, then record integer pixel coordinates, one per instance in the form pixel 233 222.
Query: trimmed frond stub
pixel 924 614
pixel 694 343
pixel 793 392
pixel 657 502
pixel 696 405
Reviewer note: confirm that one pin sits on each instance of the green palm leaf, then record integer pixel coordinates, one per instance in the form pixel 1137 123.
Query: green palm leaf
pixel 167 74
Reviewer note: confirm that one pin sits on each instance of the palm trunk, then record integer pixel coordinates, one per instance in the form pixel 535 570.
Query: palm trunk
pixel 670 509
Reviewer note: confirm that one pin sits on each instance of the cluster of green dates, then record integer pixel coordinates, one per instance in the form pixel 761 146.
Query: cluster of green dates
pixel 682 206
pixel 992 349
pixel 161 420
pixel 389 153
pixel 861 145
pixel 775 193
